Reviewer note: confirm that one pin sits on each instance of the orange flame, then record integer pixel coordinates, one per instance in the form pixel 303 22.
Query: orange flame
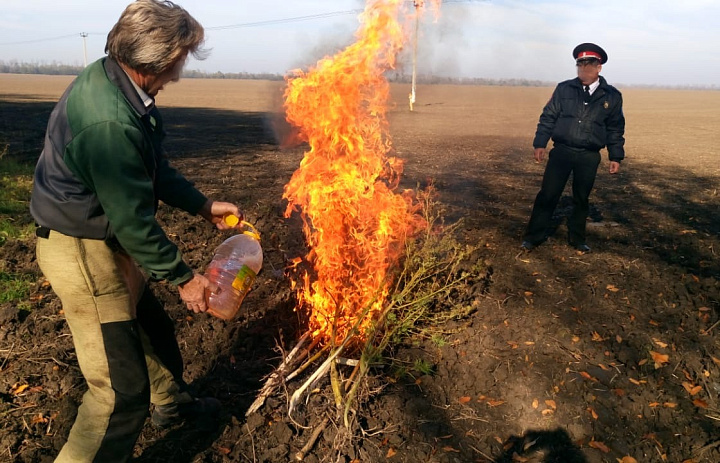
pixel 354 222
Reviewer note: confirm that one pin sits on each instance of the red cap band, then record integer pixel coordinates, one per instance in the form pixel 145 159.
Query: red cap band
pixel 588 54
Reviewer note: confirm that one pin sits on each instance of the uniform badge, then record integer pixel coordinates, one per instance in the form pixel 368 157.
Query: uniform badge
pixel 606 105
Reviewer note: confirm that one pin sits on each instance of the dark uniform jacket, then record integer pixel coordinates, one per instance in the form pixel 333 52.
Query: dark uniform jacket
pixel 102 171
pixel 572 123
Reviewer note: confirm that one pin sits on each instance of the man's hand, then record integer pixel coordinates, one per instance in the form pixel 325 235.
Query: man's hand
pixel 214 211
pixel 614 167
pixel 539 154
pixel 192 292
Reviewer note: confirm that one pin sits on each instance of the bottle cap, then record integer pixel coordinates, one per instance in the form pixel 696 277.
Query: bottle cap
pixel 231 220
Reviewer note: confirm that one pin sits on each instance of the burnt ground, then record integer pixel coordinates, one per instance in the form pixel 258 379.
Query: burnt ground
pixel 565 358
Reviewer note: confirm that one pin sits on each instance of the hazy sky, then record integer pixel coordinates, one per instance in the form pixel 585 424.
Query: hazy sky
pixel 660 42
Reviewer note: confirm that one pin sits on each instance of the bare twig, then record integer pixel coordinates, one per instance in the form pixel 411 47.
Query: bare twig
pixel 707 331
pixel 276 378
pixel 481 453
pixel 7 357
pixel 300 456
pixel 322 369
pixel 252 441
pixel 308 363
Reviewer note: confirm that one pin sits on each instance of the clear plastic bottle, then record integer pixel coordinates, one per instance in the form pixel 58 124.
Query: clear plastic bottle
pixel 233 269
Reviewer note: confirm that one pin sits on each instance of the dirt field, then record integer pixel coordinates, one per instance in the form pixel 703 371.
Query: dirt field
pixel 568 358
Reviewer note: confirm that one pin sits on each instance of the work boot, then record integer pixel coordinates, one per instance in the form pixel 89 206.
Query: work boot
pixel 200 408
pixel 582 247
pixel 527 246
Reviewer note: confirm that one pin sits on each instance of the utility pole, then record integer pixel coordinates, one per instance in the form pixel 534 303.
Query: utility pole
pixel 83 35
pixel 418 4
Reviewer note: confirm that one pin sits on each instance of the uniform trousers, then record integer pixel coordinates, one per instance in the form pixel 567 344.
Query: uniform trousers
pixel 562 161
pixel 124 341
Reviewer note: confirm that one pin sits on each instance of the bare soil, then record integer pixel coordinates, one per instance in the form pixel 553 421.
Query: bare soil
pixel 567 357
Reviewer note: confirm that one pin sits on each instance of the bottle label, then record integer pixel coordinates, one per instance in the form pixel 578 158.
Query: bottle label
pixel 244 279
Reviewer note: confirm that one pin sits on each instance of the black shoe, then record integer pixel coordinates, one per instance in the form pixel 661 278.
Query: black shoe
pixel 584 248
pixel 527 246
pixel 170 414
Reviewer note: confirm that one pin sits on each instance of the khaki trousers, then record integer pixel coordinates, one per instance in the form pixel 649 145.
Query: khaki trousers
pixel 123 360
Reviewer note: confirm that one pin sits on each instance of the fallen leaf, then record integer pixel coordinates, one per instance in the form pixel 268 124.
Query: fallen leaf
pixel 464 400
pixel 627 459
pixel 659 359
pixel 593 413
pixel 529 343
pixel 596 337
pixel 586 375
pixel 642 362
pixel 634 381
pixel 390 453
pixel 654 323
pixel 20 389
pixel 548 411
pixel 660 343
pixel 618 339
pixel 447 448
pixel 38 419
pixel 528 293
pixel 495 403
pixel 669 405
pixel 535 403
pixel 599 445
pixel 575 339
pixel 551 404
pixel 224 450
pixel 654 404
pixel 691 460
pixel 700 403
pixel 604 367
pixel 691 388
pixel 612 288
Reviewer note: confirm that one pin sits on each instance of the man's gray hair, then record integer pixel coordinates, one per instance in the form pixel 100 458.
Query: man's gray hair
pixel 152 34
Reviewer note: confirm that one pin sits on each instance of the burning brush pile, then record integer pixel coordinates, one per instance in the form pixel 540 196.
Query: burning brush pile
pixel 375 257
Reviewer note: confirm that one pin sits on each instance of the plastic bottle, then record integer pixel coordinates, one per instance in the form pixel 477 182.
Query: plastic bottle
pixel 233 269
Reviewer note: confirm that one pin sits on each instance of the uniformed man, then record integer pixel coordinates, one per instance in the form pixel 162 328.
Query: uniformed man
pixel 583 116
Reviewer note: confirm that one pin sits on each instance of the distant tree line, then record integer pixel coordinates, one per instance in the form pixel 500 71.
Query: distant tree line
pixel 55 68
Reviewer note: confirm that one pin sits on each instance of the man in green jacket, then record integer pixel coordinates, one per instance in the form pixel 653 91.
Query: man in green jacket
pixel 97 186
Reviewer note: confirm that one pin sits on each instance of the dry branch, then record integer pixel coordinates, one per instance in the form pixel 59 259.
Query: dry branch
pixel 277 376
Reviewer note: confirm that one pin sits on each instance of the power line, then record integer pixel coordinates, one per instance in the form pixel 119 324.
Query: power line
pixel 285 20
pixel 269 22
pixel 51 38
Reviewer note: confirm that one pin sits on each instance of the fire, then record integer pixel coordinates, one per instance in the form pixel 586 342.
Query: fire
pixel 355 223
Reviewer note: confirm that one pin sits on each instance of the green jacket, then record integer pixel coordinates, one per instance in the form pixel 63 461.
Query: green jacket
pixel 102 171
